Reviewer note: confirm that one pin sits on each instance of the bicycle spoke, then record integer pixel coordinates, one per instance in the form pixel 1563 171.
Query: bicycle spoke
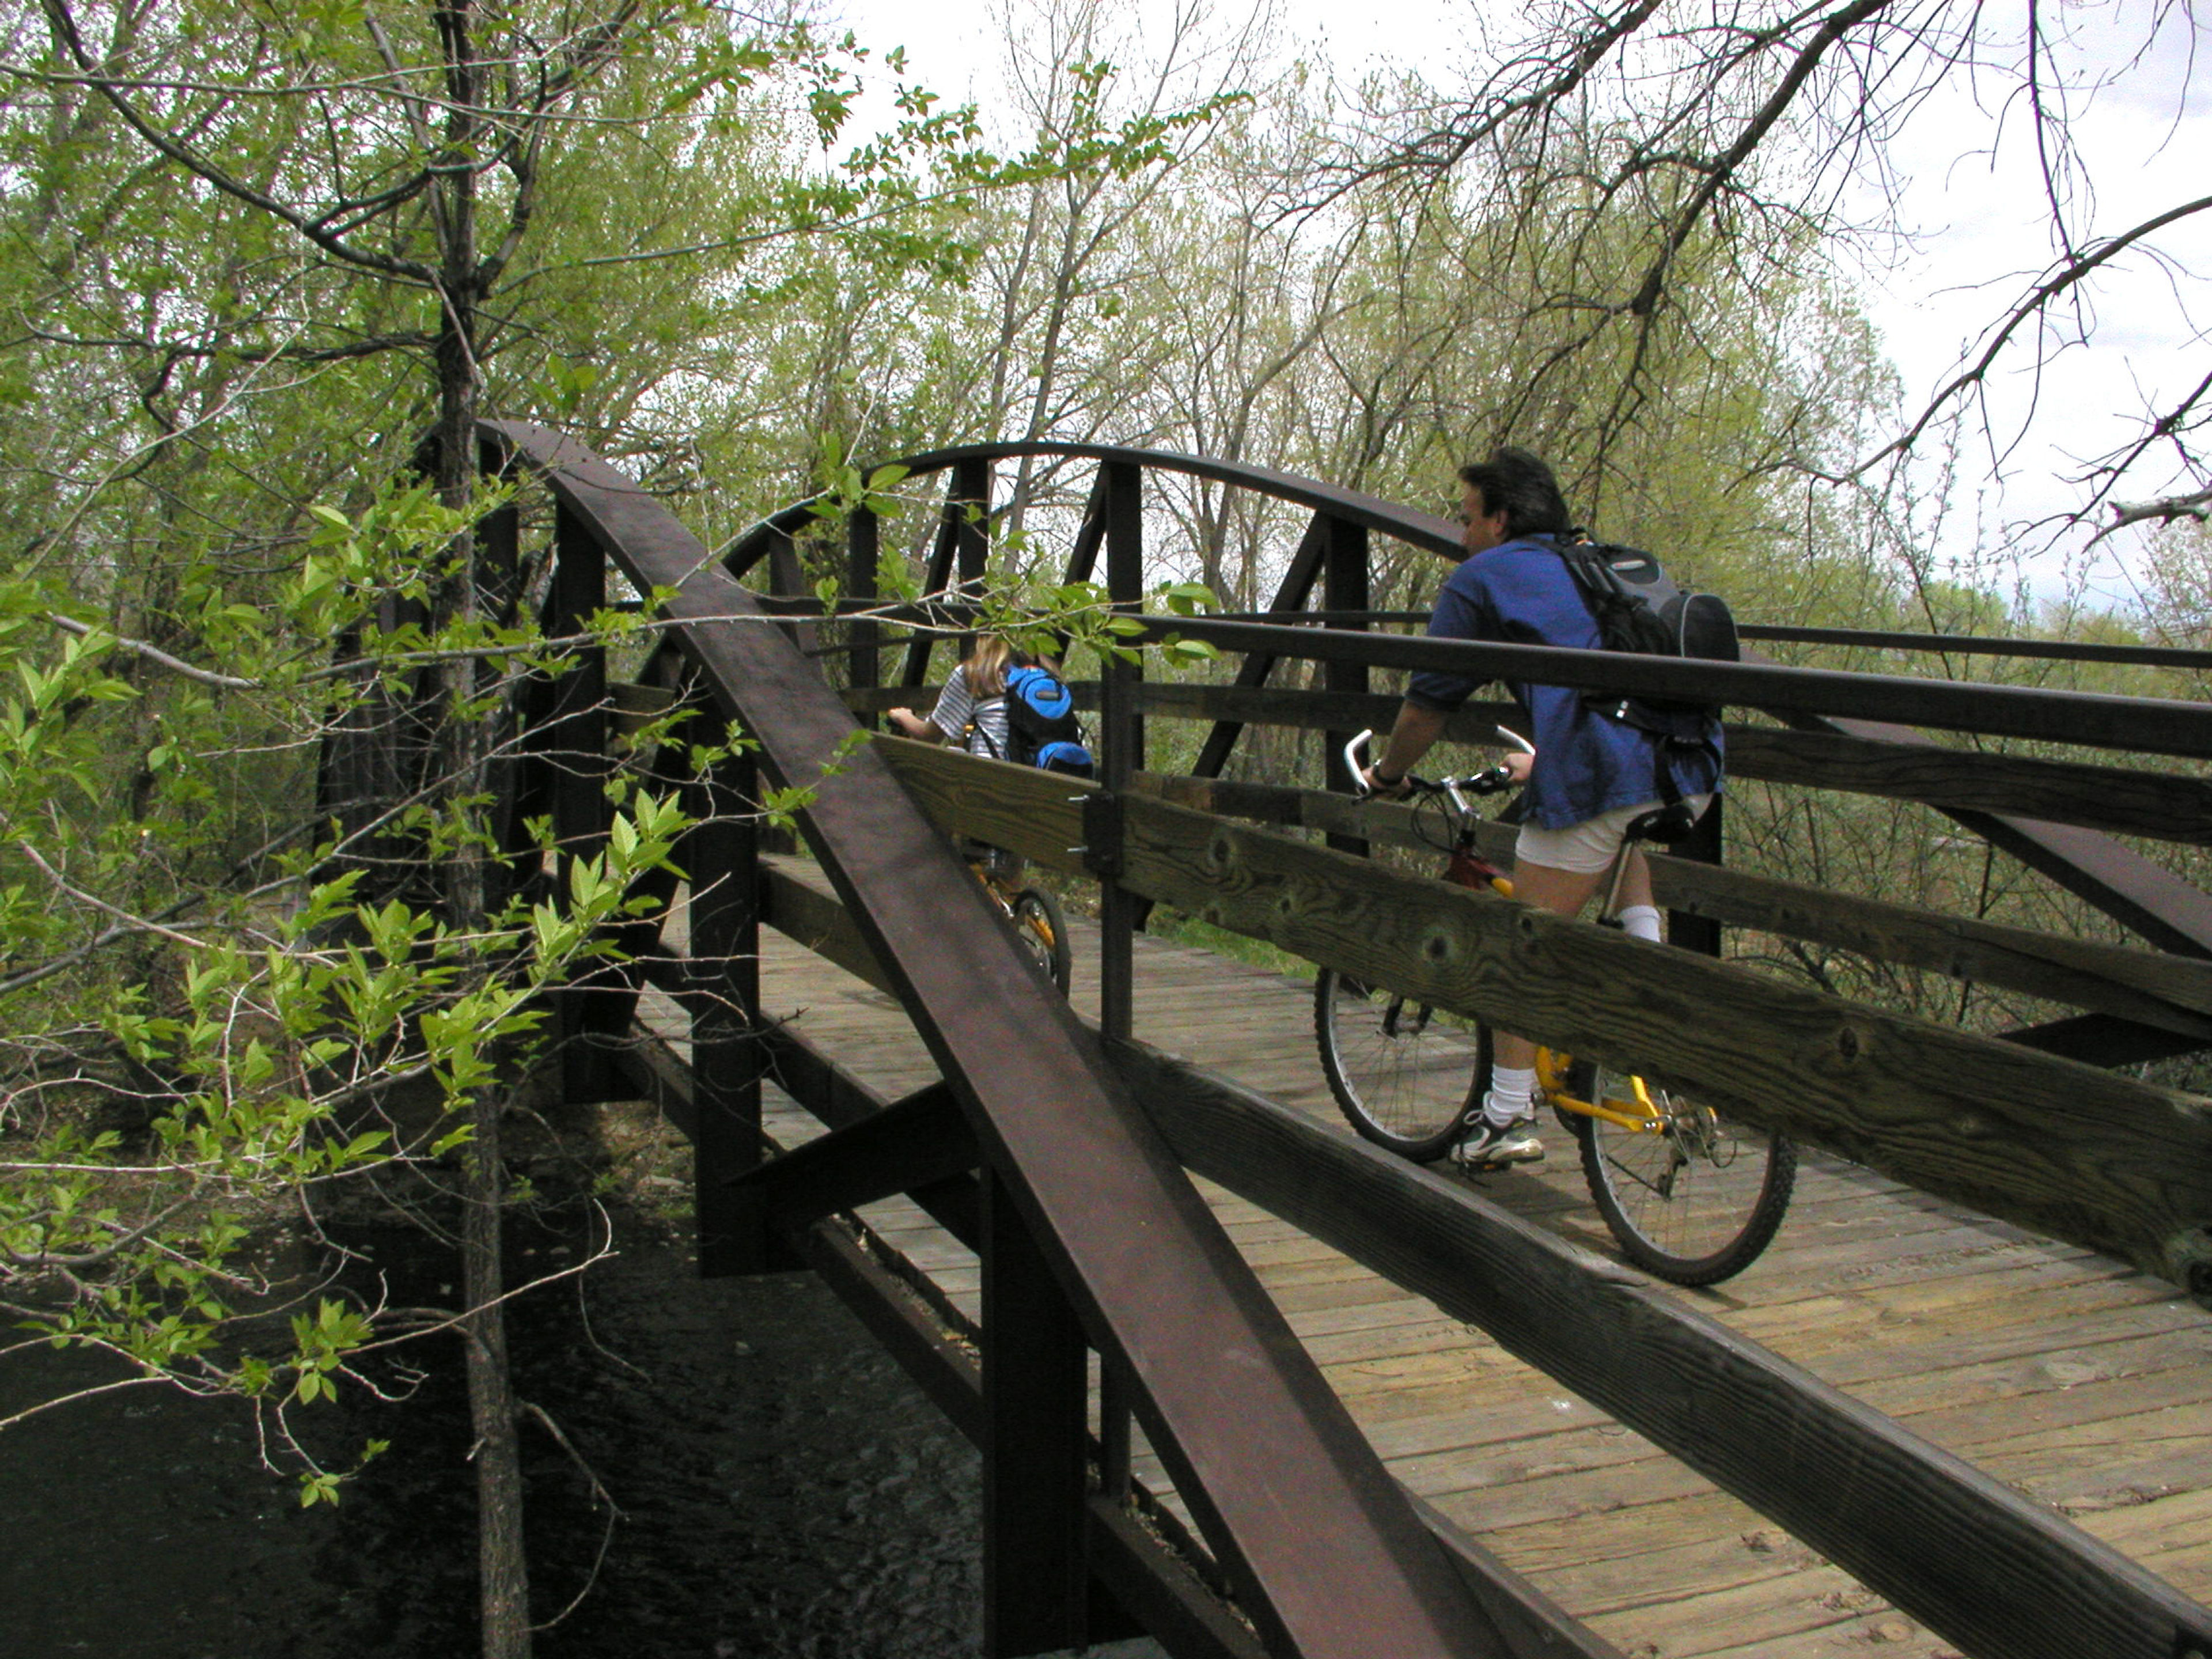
pixel 1402 1071
pixel 1692 1196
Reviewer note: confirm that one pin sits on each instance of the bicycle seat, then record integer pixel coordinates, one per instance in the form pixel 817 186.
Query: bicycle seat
pixel 1663 824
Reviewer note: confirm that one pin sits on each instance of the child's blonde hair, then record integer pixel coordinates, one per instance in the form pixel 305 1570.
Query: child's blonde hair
pixel 986 666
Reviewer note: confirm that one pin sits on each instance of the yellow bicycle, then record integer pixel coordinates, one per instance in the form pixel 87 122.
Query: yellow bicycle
pixel 1692 1195
pixel 1039 926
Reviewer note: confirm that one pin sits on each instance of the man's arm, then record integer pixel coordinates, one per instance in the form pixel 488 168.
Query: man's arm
pixel 1413 735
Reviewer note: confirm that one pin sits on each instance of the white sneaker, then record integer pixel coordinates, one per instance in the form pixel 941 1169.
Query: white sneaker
pixel 1490 1147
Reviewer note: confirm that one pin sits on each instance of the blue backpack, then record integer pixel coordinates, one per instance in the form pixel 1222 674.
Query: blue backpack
pixel 1042 729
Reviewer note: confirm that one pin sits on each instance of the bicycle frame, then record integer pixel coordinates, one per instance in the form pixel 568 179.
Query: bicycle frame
pixel 982 868
pixel 1468 868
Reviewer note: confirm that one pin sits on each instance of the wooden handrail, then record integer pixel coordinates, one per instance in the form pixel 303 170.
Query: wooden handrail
pixel 2105 1160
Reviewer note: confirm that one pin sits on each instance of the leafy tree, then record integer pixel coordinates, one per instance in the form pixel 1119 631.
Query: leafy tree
pixel 257 254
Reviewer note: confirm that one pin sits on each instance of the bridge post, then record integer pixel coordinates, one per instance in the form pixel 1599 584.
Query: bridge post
pixel 1344 587
pixel 1035 1520
pixel 864 661
pixel 1693 932
pixel 971 538
pixel 726 1056
pixel 577 755
pixel 1121 742
pixel 499 541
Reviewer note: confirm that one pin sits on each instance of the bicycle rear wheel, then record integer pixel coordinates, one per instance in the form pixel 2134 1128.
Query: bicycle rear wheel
pixel 1694 1197
pixel 1042 930
pixel 1403 1073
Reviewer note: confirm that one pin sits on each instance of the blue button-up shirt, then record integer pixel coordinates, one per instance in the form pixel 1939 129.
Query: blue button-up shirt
pixel 1520 592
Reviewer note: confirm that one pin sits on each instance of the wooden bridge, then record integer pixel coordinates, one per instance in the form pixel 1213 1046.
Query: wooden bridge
pixel 1246 1382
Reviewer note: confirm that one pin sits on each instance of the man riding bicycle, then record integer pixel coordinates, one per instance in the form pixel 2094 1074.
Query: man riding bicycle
pixel 1591 774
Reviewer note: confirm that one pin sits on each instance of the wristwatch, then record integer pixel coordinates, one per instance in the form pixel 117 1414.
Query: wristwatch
pixel 1375 776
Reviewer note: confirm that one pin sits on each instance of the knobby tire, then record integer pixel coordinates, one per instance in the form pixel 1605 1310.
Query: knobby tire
pixel 1693 1204
pixel 1404 1075
pixel 1042 928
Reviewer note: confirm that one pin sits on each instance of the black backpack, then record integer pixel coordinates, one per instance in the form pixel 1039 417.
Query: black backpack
pixel 1042 729
pixel 1638 608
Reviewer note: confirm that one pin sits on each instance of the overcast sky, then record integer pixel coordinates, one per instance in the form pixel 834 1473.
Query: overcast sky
pixel 1980 228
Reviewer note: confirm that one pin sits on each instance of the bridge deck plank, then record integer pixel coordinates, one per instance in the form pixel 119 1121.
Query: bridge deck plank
pixel 2084 1383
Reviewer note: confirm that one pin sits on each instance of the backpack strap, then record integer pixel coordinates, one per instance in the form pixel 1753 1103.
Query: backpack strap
pixel 977 729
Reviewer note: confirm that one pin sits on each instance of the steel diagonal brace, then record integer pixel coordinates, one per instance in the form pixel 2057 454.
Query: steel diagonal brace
pixel 917 1143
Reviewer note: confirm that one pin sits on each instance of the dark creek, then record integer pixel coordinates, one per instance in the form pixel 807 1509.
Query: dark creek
pixel 786 1491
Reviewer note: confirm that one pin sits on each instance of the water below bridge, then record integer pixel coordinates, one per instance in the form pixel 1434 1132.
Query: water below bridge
pixel 787 1493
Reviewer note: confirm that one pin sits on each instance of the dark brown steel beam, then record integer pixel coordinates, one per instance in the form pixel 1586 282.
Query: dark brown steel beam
pixel 922 1141
pixel 2105 1040
pixel 842 1100
pixel 1121 745
pixel 1344 588
pixel 576 752
pixel 1973 645
pixel 957 537
pixel 753 546
pixel 1296 587
pixel 863 556
pixel 2143 725
pixel 789 582
pixel 724 862
pixel 1036 1596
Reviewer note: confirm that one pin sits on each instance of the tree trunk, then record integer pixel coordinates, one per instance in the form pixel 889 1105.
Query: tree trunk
pixel 503 1570
pixel 505 1590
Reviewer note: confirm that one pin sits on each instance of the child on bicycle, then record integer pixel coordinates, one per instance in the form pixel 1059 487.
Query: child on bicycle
pixel 1590 775
pixel 971 710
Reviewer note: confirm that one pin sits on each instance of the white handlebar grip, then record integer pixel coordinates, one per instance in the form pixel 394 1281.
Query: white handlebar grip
pixel 1353 763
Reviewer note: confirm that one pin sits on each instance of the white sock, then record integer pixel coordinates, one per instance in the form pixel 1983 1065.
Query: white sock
pixel 1508 1096
pixel 1641 921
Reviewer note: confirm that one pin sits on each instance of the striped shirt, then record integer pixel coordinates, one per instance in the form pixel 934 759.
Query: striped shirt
pixel 956 708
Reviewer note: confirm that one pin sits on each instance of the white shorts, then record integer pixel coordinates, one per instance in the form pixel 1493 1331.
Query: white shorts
pixel 1588 847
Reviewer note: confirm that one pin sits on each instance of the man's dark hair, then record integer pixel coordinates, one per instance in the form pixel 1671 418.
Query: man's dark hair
pixel 1522 487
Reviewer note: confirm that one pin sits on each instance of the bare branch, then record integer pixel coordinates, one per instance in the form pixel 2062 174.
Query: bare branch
pixel 134 923
pixel 154 654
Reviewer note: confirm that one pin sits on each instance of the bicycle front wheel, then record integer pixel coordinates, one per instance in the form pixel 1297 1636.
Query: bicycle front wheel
pixel 1404 1074
pixel 1042 930
pixel 1694 1196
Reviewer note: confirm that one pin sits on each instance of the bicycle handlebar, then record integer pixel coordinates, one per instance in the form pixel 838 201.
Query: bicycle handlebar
pixel 1489 781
